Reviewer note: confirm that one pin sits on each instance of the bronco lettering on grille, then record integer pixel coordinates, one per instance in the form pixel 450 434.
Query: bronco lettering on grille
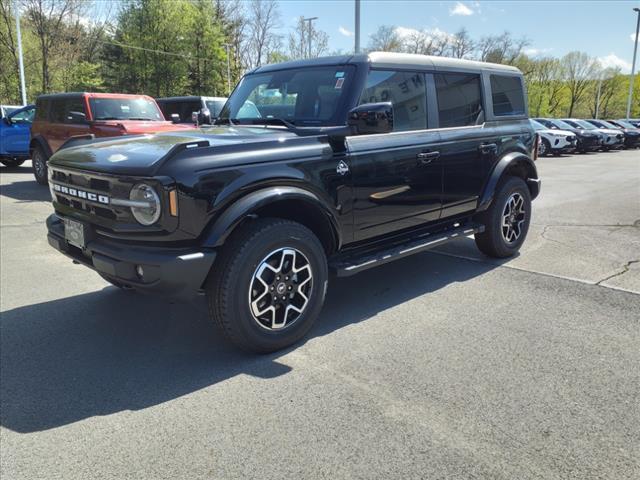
pixel 74 192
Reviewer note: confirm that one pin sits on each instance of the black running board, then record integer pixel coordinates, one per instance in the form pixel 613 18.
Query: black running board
pixel 353 265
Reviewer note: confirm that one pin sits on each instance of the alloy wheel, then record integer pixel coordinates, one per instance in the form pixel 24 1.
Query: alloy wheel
pixel 513 217
pixel 542 148
pixel 38 164
pixel 280 288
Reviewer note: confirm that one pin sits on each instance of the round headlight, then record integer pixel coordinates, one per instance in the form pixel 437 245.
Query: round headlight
pixel 149 210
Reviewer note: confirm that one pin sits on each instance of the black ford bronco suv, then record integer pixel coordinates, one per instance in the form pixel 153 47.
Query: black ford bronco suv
pixel 328 165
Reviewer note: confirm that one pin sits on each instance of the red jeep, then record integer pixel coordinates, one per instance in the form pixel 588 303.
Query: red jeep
pixel 60 116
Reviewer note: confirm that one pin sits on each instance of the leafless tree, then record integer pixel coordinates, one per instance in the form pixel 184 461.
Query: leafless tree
pixel 262 39
pixel 385 39
pixel 501 48
pixel 50 19
pixel 580 69
pixel 8 49
pixel 607 83
pixel 462 45
pixel 299 40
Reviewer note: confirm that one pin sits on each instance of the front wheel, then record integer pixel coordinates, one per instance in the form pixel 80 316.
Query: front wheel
pixel 39 163
pixel 268 284
pixel 544 148
pixel 506 221
pixel 11 162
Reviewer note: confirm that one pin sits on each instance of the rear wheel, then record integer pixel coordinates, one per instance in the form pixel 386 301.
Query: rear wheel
pixel 39 162
pixel 506 221
pixel 268 285
pixel 11 162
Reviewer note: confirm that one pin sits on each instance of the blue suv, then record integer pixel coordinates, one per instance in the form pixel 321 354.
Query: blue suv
pixel 15 132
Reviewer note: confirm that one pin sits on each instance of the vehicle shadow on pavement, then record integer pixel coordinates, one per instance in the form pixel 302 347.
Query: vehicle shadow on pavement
pixel 107 351
pixel 27 191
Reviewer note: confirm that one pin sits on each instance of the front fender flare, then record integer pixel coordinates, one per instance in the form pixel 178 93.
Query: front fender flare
pixel 240 209
pixel 40 141
pixel 516 160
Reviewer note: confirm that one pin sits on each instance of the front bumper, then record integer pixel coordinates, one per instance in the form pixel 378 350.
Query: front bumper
pixel 172 272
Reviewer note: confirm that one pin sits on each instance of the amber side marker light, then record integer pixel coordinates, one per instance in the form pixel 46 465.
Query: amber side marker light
pixel 173 203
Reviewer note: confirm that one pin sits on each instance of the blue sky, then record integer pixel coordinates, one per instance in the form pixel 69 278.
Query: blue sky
pixel 603 29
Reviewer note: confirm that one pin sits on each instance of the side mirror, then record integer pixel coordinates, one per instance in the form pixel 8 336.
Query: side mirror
pixel 175 118
pixel 7 120
pixel 371 118
pixel 205 116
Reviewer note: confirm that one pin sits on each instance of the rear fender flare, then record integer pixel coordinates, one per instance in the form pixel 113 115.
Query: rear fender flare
pixel 220 229
pixel 514 160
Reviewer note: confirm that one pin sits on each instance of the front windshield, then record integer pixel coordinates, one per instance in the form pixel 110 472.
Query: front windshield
pixel 125 109
pixel 583 124
pixel 609 125
pixel 562 125
pixel 214 107
pixel 537 125
pixel 313 96
pixel 625 124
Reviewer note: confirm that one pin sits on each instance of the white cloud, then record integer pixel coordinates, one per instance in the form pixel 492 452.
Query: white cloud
pixel 632 37
pixel 345 32
pixel 533 52
pixel 460 9
pixel 613 61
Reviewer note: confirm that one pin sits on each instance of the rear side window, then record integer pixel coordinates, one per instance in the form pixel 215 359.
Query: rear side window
pixel 42 109
pixel 405 90
pixel 459 99
pixel 57 110
pixel 507 95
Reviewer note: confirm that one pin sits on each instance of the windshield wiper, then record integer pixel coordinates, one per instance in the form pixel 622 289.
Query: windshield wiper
pixel 108 118
pixel 142 118
pixel 220 121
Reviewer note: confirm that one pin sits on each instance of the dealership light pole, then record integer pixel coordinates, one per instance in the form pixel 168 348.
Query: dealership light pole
pixel 357 29
pixel 633 65
pixel 227 47
pixel 20 60
pixel 311 19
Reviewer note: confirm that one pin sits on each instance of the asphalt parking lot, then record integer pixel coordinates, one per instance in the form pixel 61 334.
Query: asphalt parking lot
pixel 443 365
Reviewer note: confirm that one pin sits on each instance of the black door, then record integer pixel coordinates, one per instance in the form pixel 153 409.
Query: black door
pixel 396 177
pixel 469 147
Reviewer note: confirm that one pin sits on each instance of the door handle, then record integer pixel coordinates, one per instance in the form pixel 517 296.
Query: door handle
pixel 488 148
pixel 427 157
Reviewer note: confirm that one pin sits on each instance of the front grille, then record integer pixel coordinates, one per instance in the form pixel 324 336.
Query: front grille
pixel 89 195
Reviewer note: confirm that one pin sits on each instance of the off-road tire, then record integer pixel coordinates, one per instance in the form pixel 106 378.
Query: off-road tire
pixel 11 162
pixel 492 242
pixel 229 283
pixel 39 165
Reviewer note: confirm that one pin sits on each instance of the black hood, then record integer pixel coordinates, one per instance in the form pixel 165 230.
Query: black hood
pixel 142 154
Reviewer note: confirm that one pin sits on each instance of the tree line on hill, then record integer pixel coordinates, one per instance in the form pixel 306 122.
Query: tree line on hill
pixel 181 47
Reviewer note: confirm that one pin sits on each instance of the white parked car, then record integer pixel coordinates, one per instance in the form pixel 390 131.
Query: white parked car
pixel 553 141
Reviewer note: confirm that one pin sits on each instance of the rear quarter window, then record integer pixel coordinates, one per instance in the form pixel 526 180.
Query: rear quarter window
pixel 507 95
pixel 459 99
